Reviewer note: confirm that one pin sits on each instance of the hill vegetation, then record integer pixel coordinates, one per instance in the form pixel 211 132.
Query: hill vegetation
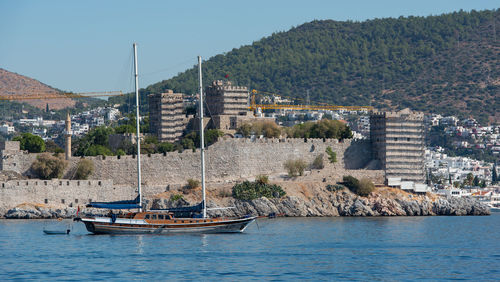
pixel 445 64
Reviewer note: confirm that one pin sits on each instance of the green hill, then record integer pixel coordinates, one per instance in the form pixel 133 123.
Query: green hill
pixel 447 64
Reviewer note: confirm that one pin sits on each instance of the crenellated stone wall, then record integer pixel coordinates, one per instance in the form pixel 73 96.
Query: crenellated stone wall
pixel 227 160
pixel 59 192
pixel 230 159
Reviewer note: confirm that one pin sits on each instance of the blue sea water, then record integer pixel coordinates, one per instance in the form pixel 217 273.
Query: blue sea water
pixel 383 248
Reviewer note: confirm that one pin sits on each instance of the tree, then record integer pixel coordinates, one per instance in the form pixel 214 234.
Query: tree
pixel 151 139
pixel 476 181
pixel 469 179
pixel 494 175
pixel 322 129
pixel 165 147
pixel 31 143
pixel 95 142
pixel 268 129
pixel 51 146
pixel 96 150
pixel 47 166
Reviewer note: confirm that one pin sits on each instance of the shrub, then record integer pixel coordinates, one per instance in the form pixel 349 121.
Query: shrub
pixel 47 166
pixel 192 183
pixel 332 156
pixel 318 162
pixel 85 169
pixel 225 193
pixel 366 186
pixel 262 179
pixel 252 190
pixel 295 167
pixel 175 197
pixel 362 188
pixel 334 187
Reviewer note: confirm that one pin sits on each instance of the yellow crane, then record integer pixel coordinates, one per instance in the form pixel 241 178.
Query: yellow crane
pixel 322 106
pixel 57 95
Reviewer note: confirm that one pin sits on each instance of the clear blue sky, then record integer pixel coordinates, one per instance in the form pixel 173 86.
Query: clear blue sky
pixel 86 46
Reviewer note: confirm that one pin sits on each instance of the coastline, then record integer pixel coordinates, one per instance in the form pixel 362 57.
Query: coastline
pixel 312 201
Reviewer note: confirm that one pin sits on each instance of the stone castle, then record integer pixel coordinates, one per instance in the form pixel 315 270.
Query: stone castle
pixel 228 161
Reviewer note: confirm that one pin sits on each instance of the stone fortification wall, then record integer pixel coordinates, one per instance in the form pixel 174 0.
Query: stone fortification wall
pixel 16 160
pixel 60 192
pixel 229 159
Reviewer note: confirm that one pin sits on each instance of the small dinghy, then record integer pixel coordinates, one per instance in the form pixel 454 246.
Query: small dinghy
pixel 56 232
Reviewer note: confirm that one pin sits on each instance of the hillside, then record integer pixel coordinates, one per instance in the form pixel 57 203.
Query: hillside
pixel 447 64
pixel 16 84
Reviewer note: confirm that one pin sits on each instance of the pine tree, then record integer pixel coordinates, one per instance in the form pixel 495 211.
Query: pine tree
pixel 494 175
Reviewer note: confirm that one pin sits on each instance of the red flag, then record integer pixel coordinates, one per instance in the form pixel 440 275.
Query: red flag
pixel 77 210
pixel 226 76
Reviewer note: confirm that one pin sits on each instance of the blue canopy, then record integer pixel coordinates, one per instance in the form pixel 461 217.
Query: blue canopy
pixel 117 205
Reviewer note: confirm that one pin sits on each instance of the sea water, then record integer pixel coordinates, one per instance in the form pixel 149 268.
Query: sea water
pixel 341 248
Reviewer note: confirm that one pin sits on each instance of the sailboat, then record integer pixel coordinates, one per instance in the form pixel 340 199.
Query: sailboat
pixel 175 220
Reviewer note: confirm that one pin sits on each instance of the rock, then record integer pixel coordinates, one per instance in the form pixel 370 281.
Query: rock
pixel 339 203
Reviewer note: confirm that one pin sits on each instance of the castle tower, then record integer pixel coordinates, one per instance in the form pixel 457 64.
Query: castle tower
pixel 398 143
pixel 166 117
pixel 67 134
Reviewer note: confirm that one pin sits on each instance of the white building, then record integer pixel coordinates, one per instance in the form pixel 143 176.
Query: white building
pixel 6 129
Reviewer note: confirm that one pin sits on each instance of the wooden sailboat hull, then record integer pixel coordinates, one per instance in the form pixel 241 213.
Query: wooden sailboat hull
pixel 100 226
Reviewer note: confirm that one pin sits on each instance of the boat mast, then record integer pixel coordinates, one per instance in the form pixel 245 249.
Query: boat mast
pixel 137 139
pixel 202 142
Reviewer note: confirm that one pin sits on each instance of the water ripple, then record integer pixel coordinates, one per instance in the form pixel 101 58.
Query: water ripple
pixel 311 249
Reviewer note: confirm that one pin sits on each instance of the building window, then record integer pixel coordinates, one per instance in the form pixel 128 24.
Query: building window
pixel 395 139
pixel 46 201
pixel 76 201
pixel 62 201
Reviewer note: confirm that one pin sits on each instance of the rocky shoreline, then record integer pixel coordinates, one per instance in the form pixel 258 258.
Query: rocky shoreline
pixel 384 202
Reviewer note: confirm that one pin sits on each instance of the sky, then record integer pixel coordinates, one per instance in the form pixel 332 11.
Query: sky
pixel 86 46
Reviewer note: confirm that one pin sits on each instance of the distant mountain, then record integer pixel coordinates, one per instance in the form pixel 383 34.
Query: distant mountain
pixel 20 85
pixel 447 64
